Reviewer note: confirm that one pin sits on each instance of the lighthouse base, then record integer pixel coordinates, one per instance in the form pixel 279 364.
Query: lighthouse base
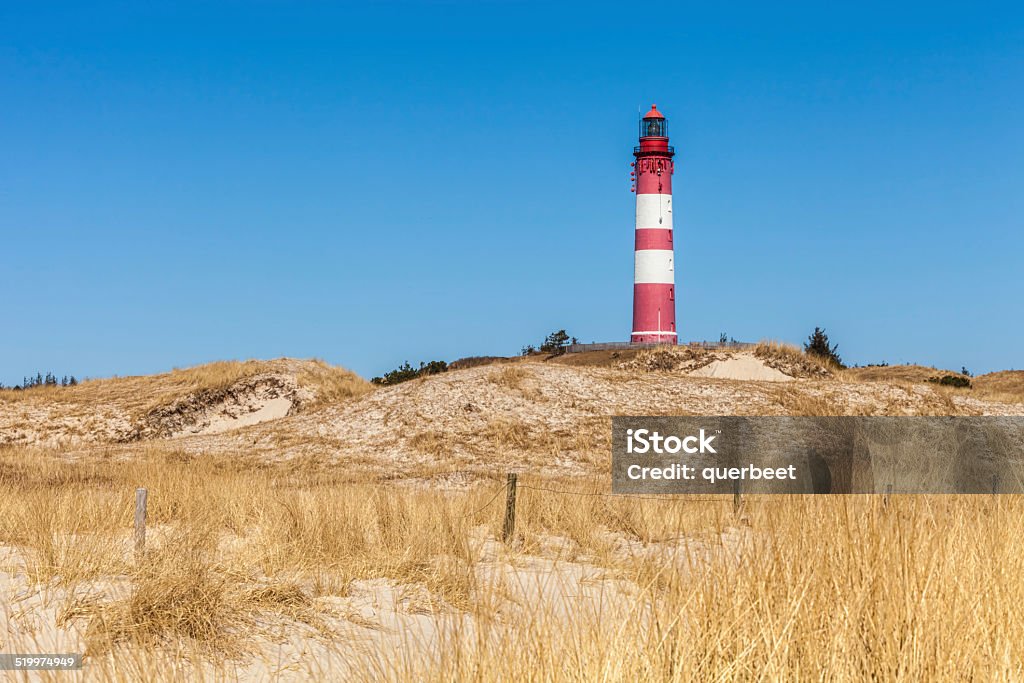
pixel 653 337
pixel 654 312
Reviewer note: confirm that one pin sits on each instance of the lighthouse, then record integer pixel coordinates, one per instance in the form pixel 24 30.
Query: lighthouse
pixel 654 286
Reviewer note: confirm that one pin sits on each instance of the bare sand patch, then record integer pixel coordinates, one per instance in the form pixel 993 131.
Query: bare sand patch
pixel 742 367
pixel 261 411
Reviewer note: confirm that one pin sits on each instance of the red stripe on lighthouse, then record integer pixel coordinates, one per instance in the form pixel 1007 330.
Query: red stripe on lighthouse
pixel 652 183
pixel 652 238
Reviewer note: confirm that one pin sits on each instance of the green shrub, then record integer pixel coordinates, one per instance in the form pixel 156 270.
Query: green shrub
pixel 958 381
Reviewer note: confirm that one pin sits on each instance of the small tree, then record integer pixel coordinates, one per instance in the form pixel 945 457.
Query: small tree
pixel 556 342
pixel 818 345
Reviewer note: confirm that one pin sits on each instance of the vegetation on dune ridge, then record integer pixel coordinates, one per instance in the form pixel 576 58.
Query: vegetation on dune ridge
pixel 786 358
pixel 143 391
pixel 554 344
pixel 790 359
pixel 551 395
pixel 331 383
pixel 668 358
pixel 41 380
pixel 182 401
pixel 956 381
pixel 1006 386
pixel 406 372
pixel 315 374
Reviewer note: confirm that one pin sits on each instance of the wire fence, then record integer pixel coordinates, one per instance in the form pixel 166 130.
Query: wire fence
pixel 623 346
pixel 510 489
pixel 631 496
pixel 497 492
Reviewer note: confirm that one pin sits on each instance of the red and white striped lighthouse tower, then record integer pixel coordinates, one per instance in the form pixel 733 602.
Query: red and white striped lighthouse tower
pixel 654 286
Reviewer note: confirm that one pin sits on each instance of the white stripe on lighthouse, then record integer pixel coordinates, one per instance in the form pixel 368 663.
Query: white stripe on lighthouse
pixel 654 266
pixel 654 211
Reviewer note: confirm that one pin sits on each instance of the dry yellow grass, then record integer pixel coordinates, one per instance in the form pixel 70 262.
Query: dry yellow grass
pixel 510 377
pixel 330 383
pixel 141 393
pixel 794 402
pixel 836 588
pixel 668 359
pixel 129 408
pixel 893 373
pixel 1006 386
pixel 138 393
pixel 792 360
pixel 247 551
pixel 831 400
pixel 594 358
pixel 434 442
pixel 826 589
pixel 519 379
pixel 504 432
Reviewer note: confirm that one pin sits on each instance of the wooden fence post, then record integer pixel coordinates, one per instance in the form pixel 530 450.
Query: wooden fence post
pixel 510 508
pixel 140 522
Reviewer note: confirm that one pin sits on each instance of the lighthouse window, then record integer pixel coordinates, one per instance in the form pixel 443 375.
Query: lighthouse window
pixel 653 128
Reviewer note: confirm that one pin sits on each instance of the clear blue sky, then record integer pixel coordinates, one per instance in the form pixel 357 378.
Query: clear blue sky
pixel 375 182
